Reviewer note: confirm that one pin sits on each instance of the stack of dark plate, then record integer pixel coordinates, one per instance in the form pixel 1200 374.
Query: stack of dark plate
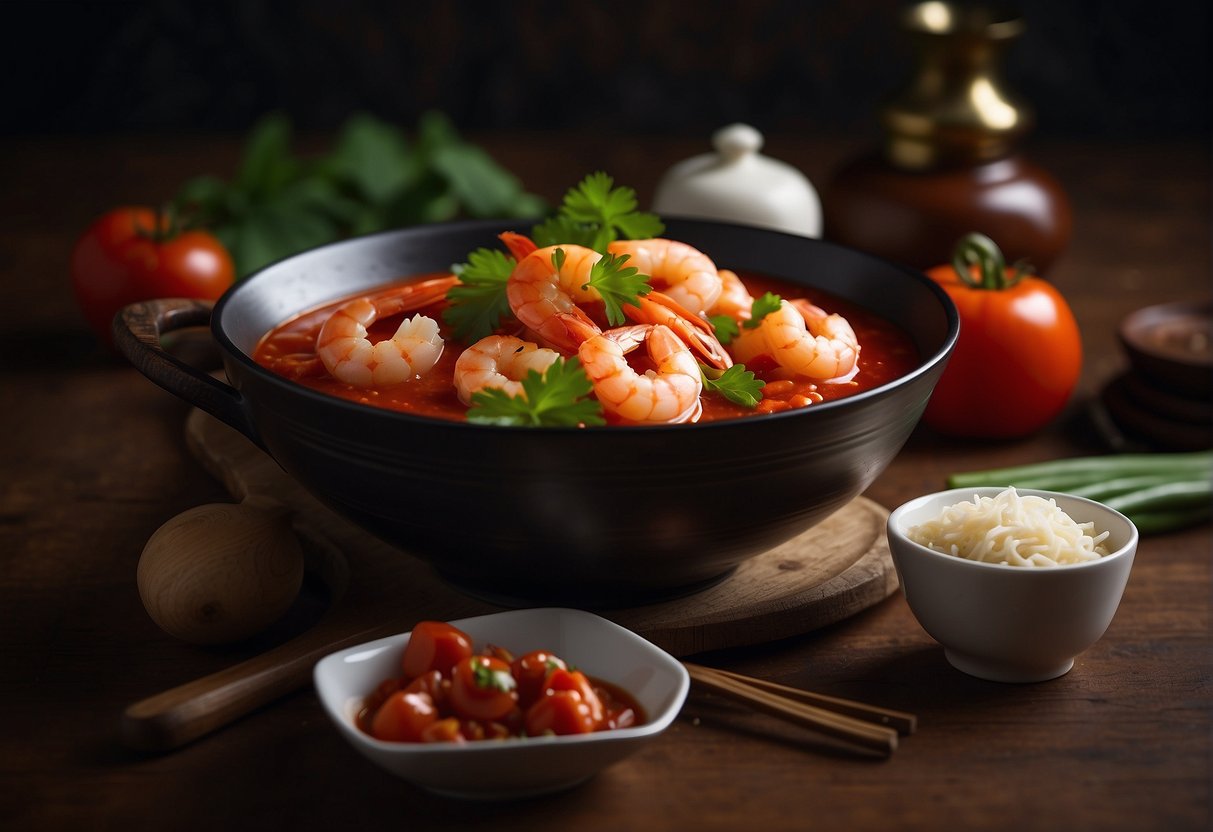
pixel 1165 399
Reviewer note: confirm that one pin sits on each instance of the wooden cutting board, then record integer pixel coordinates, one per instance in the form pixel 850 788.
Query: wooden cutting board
pixel 831 572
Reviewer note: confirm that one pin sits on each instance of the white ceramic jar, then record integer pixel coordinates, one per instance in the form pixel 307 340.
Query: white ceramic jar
pixel 738 184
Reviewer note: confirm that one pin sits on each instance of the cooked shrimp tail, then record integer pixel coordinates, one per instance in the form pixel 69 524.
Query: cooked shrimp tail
pixel 659 308
pixel 519 245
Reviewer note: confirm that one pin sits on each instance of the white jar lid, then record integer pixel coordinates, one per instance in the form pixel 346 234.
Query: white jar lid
pixel 739 184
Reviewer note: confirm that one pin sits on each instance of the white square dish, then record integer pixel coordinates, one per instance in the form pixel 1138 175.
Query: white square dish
pixel 516 767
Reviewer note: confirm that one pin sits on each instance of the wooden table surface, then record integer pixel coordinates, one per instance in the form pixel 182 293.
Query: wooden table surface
pixel 94 461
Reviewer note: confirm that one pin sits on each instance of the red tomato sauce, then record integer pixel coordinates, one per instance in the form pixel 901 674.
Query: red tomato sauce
pixel 886 352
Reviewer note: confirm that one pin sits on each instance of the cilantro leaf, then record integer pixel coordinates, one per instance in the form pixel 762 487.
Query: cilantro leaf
pixel 479 302
pixel 618 284
pixel 487 678
pixel 594 214
pixel 725 327
pixel 559 229
pixel 762 307
pixel 639 225
pixel 555 398
pixel 737 384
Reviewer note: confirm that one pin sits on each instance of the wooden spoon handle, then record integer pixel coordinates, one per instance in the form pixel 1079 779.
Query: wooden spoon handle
pixel 175 717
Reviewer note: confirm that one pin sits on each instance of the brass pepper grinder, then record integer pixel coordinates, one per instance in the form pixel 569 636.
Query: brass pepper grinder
pixel 949 164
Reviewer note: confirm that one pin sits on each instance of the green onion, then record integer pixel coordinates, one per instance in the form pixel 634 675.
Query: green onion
pixel 1157 522
pixel 1101 491
pixel 1158 492
pixel 1166 497
pixel 1090 469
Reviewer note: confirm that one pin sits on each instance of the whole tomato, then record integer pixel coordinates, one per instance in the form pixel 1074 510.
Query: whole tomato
pixel 1019 352
pixel 483 688
pixel 434 645
pixel 403 717
pixel 132 254
pixel 560 712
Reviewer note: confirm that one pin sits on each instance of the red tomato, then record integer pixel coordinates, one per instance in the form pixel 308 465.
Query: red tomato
pixel 129 255
pixel 560 712
pixel 1019 353
pixel 574 680
pixel 435 645
pixel 403 717
pixel 482 688
pixel 531 670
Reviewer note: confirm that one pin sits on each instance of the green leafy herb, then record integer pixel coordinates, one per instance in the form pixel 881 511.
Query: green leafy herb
pixel 737 384
pixel 555 398
pixel 486 677
pixel 479 302
pixel 374 178
pixel 558 229
pixel 594 213
pixel 725 328
pixel 618 283
pixel 762 307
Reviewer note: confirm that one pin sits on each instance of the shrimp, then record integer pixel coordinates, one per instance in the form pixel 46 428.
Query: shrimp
pixel 545 298
pixel 667 395
pixel 659 308
pixel 684 273
pixel 735 299
pixel 500 361
pixel 349 355
pixel 804 340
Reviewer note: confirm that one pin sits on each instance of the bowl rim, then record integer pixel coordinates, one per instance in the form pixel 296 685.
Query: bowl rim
pixel 229 348
pixel 654 725
pixel 895 529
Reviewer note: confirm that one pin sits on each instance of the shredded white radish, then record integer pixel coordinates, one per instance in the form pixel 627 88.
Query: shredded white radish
pixel 1010 529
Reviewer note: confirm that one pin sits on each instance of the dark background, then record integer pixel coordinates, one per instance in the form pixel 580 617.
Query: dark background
pixel 1117 68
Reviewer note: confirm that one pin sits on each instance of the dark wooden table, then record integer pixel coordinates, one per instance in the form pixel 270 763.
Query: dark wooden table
pixel 94 461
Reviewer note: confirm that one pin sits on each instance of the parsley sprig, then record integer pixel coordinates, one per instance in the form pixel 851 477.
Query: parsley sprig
pixel 479 302
pixel 594 213
pixel 762 307
pixel 725 328
pixel 557 398
pixel 737 384
pixel 619 285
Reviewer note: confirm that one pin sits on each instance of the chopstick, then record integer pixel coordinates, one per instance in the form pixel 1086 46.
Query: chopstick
pixel 904 723
pixel 869 727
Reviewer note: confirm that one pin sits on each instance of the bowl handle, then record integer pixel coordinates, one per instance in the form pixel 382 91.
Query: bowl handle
pixel 137 330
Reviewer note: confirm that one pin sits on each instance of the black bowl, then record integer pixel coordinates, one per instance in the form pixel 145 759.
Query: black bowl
pixel 601 516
